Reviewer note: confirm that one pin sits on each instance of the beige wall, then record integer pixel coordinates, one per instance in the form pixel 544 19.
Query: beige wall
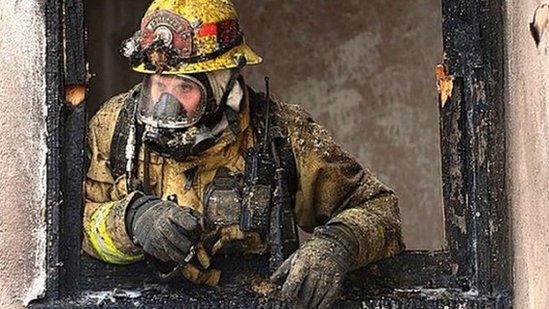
pixel 364 69
pixel 23 151
pixel 528 154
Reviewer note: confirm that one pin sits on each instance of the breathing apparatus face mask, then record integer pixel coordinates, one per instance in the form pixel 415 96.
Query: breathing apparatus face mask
pixel 171 102
pixel 170 108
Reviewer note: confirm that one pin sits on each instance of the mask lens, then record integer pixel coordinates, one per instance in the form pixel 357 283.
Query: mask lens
pixel 171 102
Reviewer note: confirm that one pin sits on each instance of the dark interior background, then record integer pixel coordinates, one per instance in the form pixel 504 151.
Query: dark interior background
pixel 364 69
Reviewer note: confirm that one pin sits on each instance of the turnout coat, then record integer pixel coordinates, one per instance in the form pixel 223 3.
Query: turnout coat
pixel 331 187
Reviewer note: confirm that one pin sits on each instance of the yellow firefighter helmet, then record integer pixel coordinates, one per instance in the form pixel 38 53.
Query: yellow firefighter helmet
pixel 189 36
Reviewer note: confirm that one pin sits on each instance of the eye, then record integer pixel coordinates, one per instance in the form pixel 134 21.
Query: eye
pixel 186 87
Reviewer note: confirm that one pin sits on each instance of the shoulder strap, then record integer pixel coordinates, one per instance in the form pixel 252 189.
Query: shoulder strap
pixel 117 156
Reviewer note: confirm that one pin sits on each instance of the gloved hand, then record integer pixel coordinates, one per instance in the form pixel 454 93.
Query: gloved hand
pixel 163 229
pixel 315 272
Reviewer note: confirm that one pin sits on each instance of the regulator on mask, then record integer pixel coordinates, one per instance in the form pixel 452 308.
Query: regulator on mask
pixel 171 109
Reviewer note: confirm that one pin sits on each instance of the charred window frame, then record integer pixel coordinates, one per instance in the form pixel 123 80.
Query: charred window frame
pixel 473 270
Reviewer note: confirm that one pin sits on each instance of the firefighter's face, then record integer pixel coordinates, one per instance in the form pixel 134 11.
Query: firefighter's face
pixel 187 92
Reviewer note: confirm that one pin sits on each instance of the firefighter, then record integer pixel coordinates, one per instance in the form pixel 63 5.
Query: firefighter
pixel 193 166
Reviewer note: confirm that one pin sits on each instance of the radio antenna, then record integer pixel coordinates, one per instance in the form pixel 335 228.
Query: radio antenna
pixel 267 111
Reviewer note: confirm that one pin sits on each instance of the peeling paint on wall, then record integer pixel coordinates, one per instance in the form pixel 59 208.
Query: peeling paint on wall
pixel 75 94
pixel 445 84
pixel 540 27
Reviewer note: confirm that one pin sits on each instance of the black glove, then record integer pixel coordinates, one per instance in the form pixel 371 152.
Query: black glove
pixel 315 272
pixel 163 229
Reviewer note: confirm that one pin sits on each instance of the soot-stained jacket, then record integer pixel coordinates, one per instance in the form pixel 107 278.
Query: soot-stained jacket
pixel 332 187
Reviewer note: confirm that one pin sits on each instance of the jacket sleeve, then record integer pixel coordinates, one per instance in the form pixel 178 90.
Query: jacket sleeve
pixel 335 189
pixel 106 198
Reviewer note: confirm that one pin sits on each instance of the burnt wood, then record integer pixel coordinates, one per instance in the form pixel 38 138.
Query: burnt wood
pixel 473 270
pixel 473 44
pixel 74 139
pixel 76 72
pixel 54 101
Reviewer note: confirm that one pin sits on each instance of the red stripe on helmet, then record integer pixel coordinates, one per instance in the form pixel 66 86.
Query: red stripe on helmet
pixel 207 30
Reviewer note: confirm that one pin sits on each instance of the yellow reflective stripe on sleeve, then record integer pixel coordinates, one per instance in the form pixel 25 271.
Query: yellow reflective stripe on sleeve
pixel 101 241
